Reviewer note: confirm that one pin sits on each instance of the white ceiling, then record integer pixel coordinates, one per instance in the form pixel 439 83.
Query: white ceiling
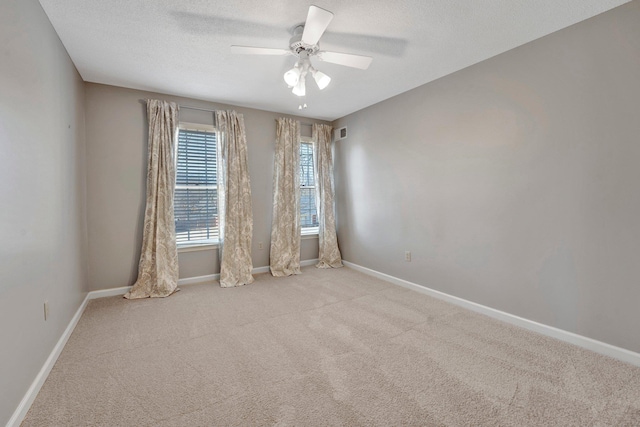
pixel 182 47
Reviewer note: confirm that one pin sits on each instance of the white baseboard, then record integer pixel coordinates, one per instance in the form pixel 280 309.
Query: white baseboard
pixel 212 277
pixel 22 409
pixel 308 262
pixel 124 289
pixel 560 334
pixel 258 270
pixel 108 292
pixel 198 279
pixel 186 281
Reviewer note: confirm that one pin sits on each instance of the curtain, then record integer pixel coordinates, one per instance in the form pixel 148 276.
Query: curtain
pixel 234 195
pixel 284 257
pixel 158 267
pixel 328 252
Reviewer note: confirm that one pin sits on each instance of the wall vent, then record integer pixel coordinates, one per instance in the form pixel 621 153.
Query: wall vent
pixel 340 133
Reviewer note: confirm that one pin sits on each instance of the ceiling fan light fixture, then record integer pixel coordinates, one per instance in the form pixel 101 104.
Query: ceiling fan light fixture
pixel 292 76
pixel 299 89
pixel 322 80
pixel 305 44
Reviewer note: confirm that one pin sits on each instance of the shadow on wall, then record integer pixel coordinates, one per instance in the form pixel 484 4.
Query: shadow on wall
pixel 136 240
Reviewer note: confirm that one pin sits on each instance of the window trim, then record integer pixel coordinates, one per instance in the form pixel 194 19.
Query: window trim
pixel 197 127
pixel 310 231
pixel 203 244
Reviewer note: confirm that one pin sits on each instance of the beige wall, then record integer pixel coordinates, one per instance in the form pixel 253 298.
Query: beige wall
pixel 42 213
pixel 116 162
pixel 514 182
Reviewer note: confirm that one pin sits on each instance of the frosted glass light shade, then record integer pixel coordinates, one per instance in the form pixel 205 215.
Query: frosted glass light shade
pixel 322 80
pixel 299 89
pixel 292 77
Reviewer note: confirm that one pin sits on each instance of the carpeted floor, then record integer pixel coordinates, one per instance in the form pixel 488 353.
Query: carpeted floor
pixel 328 347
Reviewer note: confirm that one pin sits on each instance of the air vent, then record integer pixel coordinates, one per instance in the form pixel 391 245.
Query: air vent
pixel 340 133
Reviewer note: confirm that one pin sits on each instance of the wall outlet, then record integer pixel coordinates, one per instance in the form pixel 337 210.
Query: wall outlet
pixel 260 245
pixel 407 256
pixel 46 310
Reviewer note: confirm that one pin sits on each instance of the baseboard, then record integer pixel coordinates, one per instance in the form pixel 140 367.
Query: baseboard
pixel 258 270
pixel 560 334
pixel 308 262
pixel 186 281
pixel 36 385
pixel 198 279
pixel 108 292
pixel 124 289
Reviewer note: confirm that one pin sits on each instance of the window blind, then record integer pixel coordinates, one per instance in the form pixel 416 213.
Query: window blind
pixel 308 211
pixel 196 193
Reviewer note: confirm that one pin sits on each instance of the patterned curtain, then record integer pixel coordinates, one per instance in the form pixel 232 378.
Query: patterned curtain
pixel 328 252
pixel 236 220
pixel 284 257
pixel 158 267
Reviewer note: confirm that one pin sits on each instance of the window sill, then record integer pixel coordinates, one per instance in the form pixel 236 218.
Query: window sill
pixel 309 234
pixel 197 247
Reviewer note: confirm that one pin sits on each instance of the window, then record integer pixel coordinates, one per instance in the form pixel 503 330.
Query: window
pixel 196 194
pixel 308 211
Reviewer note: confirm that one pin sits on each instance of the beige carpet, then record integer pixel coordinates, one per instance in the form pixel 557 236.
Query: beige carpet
pixel 329 347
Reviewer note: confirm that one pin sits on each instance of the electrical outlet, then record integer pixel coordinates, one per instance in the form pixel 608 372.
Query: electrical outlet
pixel 407 256
pixel 260 245
pixel 46 310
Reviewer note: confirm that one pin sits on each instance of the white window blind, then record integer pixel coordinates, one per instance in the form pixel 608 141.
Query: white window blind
pixel 308 211
pixel 196 193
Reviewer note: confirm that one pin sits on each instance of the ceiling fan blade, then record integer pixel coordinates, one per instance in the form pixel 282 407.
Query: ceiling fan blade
pixel 317 21
pixel 347 59
pixel 248 50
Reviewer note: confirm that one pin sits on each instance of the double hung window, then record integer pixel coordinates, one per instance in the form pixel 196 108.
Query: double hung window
pixel 196 193
pixel 308 211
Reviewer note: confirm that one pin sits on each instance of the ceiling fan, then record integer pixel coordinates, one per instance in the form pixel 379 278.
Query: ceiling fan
pixel 305 44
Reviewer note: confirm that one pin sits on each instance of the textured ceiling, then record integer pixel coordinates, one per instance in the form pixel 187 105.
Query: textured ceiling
pixel 182 47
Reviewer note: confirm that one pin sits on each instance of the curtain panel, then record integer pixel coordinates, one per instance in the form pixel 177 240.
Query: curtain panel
pixel 284 256
pixel 234 196
pixel 328 252
pixel 158 267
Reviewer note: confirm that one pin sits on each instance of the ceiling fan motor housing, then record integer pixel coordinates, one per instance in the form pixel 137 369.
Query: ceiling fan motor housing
pixel 297 46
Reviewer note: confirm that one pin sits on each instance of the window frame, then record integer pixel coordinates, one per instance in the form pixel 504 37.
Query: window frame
pixel 310 232
pixel 203 244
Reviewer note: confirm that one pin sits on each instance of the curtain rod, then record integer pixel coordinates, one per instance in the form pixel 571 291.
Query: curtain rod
pixel 303 123
pixel 197 108
pixel 144 101
pixel 213 111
